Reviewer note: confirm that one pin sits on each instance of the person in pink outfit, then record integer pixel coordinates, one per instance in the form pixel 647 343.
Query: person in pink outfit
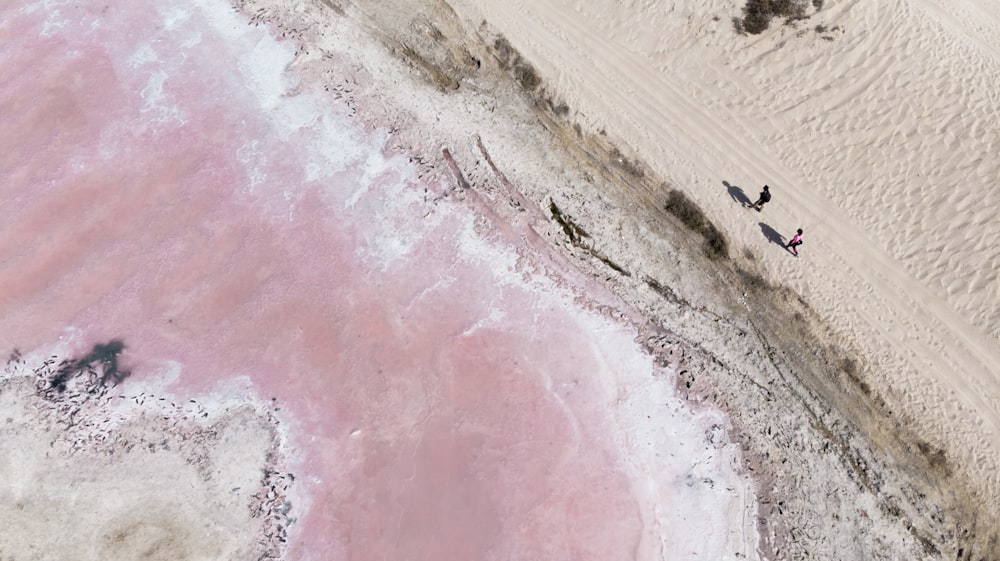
pixel 795 242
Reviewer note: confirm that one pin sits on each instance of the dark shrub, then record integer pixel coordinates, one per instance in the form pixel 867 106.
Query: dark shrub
pixel 757 14
pixel 679 205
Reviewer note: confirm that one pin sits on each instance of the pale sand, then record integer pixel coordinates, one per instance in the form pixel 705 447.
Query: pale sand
pixel 878 137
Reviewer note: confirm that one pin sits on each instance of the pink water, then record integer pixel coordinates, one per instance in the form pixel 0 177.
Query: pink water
pixel 162 184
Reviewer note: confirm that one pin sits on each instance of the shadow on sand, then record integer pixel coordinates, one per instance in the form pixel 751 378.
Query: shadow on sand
pixel 736 193
pixel 771 234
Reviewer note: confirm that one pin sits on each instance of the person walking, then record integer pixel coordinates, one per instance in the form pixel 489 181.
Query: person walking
pixel 765 196
pixel 795 242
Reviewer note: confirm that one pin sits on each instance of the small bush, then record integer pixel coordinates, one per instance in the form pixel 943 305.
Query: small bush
pixel 752 282
pixel 934 456
pixel 557 109
pixel 631 167
pixel 526 76
pixel 504 51
pixel 757 14
pixel 685 210
pixel 679 205
pixel 511 60
pixel 715 242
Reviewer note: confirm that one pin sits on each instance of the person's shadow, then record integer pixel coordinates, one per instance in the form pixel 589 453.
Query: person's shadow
pixel 772 235
pixel 737 194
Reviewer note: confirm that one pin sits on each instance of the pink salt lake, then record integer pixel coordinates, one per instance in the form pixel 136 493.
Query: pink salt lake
pixel 166 182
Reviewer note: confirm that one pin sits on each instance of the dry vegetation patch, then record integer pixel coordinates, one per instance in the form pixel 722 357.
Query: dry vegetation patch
pixel 691 215
pixel 757 14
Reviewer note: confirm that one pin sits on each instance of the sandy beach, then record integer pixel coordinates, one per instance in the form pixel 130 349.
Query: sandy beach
pixel 481 280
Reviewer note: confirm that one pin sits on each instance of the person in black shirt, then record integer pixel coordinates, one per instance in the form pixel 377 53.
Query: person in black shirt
pixel 765 196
